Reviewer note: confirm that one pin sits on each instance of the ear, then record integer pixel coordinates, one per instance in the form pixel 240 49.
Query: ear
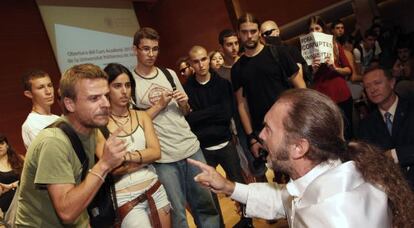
pixel 134 49
pixel 299 148
pixel 28 94
pixel 69 104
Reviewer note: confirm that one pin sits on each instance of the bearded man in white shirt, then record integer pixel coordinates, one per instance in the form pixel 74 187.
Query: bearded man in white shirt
pixel 333 183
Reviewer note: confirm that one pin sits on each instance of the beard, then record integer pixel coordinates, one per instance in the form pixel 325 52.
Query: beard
pixel 251 44
pixel 92 123
pixel 281 161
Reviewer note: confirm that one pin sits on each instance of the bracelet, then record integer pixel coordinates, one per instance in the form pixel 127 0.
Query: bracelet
pixel 140 156
pixel 97 174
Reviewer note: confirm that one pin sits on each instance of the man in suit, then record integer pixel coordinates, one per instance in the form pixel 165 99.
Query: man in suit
pixel 391 125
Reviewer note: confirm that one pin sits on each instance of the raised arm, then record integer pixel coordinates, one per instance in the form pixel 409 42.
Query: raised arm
pixel 164 100
pixel 70 200
pixel 297 78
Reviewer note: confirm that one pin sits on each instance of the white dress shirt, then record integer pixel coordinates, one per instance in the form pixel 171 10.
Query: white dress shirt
pixel 332 194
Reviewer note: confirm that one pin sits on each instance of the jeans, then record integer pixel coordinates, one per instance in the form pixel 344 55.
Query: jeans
pixel 229 160
pixel 178 180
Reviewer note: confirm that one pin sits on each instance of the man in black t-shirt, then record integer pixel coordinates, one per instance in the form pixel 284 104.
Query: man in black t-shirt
pixel 258 78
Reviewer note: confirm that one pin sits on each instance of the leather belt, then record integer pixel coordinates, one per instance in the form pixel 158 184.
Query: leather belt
pixel 147 195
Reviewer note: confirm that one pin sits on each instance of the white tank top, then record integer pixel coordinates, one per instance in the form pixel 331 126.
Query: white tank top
pixel 145 173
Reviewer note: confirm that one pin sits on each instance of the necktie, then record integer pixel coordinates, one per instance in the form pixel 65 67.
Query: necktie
pixel 388 122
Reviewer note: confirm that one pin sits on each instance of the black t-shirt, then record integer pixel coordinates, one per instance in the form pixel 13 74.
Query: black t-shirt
pixel 262 80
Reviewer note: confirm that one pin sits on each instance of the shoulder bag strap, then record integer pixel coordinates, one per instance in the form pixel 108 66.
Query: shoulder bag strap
pixel 169 77
pixel 276 57
pixel 76 144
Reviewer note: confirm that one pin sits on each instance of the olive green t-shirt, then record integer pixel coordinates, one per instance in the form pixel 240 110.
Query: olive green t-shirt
pixel 50 159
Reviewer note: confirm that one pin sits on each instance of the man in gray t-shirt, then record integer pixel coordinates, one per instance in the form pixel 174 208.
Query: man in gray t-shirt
pixel 167 107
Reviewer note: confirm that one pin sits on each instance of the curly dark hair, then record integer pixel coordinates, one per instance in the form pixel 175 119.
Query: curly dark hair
pixel 381 171
pixel 316 118
pixel 15 161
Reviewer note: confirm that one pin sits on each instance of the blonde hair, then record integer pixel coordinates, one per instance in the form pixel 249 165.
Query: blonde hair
pixel 76 73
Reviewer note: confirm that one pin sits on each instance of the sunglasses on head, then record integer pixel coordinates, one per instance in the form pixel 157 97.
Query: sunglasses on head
pixel 267 33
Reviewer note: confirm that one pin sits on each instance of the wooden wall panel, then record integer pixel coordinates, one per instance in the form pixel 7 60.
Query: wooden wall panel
pixel 24 45
pixel 182 24
pixel 283 11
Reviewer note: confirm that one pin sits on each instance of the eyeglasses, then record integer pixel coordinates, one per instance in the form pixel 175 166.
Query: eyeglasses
pixel 182 71
pixel 268 32
pixel 147 49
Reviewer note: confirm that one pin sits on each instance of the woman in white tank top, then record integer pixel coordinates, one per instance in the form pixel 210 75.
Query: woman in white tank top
pixel 137 185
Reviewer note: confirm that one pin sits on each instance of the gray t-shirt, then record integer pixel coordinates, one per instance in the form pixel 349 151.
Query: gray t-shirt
pixel 176 139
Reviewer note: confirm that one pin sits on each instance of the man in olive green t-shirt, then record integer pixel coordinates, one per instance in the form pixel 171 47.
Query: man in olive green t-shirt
pixel 52 193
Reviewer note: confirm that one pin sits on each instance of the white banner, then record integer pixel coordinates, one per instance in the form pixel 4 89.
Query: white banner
pixel 316 44
pixel 76 46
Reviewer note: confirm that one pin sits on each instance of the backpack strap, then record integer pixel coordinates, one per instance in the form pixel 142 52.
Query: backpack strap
pixel 76 144
pixel 105 131
pixel 276 57
pixel 169 77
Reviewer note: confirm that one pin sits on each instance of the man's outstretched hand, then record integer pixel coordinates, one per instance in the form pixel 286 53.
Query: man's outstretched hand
pixel 211 179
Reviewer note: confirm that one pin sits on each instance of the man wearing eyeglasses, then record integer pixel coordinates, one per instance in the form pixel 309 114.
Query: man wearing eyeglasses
pixel 167 107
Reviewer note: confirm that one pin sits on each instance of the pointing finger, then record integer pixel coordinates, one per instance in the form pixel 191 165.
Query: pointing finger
pixel 199 164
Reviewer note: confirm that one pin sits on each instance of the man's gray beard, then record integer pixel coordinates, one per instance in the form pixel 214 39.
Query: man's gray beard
pixel 282 156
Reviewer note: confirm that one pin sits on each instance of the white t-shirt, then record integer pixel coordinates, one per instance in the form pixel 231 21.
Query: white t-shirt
pixel 33 124
pixel 176 138
pixel 367 55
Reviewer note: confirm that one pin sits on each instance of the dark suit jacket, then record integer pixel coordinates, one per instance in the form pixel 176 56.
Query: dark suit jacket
pixel 374 130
